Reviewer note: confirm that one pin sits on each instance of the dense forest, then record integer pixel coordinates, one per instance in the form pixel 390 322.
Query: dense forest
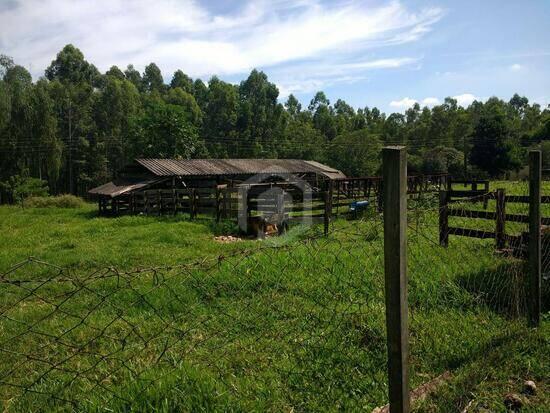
pixel 75 127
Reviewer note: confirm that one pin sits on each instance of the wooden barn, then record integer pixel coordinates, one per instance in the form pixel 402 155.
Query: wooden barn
pixel 157 186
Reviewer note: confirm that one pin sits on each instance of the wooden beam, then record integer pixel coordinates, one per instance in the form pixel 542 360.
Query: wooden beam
pixel 500 221
pixel 444 218
pixel 395 266
pixel 534 275
pixel 472 233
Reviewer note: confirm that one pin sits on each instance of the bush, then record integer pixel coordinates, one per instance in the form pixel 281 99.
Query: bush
pixel 61 201
pixel 25 187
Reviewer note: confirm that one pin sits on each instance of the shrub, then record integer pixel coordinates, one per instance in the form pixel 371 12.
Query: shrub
pixel 25 187
pixel 61 201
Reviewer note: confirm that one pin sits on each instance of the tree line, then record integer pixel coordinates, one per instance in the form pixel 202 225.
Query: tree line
pixel 75 127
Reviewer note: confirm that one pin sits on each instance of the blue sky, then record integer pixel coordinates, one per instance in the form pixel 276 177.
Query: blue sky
pixel 377 53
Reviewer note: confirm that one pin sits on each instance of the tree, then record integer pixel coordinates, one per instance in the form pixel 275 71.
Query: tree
pixel 6 63
pixel 200 92
pixel 182 81
pixel 115 107
pixel 70 67
pixel 115 72
pixel 492 148
pixel 259 113
pixel 134 77
pixel 163 131
pixel 356 153
pixel 443 160
pixel 323 115
pixel 220 120
pixel 178 96
pixel 302 141
pixel 152 79
pixel 45 133
pixel 292 106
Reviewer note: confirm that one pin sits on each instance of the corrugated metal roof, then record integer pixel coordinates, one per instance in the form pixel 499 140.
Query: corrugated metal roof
pixel 188 167
pixel 121 186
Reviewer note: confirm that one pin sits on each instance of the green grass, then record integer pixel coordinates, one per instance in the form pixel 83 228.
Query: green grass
pixel 78 238
pixel 295 323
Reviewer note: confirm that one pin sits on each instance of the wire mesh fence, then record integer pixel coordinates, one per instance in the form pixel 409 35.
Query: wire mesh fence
pixel 296 323
pixel 468 286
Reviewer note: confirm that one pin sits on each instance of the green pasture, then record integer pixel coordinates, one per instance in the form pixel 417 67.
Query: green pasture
pixel 152 314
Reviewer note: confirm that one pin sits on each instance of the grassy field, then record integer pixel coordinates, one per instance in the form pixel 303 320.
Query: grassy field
pixel 288 324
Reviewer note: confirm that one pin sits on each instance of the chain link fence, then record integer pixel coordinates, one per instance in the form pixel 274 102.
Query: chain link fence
pixel 295 323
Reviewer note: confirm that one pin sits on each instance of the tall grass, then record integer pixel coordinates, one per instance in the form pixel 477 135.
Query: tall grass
pixel 294 323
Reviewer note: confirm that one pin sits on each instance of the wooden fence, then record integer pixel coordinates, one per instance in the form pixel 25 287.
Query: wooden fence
pixel 343 191
pixel 500 217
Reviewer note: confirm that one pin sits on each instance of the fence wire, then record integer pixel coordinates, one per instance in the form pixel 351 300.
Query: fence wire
pixel 467 292
pixel 296 323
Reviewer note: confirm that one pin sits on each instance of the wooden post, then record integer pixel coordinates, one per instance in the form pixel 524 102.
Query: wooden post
pixel 218 205
pixel 174 196
pixel 395 266
pixel 159 200
pixel 191 203
pixel 379 195
pixel 444 218
pixel 500 219
pixel 338 197
pixel 326 217
pixel 534 275
pixel 242 213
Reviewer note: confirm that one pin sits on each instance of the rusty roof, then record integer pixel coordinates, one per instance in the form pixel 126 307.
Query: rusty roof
pixel 190 167
pixel 121 186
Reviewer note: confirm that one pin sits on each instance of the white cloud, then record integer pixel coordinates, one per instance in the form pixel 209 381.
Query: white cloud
pixel 465 99
pixel 186 34
pixel 408 102
pixel 298 78
pixel 515 67
pixel 430 101
pixel 404 103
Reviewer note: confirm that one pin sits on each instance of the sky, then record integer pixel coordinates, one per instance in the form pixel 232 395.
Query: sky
pixel 388 54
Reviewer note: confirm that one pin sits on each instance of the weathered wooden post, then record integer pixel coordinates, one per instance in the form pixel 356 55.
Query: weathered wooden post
pixel 444 217
pixel 159 200
pixel 500 237
pixel 338 197
pixel 191 203
pixel 395 266
pixel 218 205
pixel 242 212
pixel 534 275
pixel 326 216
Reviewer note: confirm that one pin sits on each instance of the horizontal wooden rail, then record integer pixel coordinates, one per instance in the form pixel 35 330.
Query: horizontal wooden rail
pixel 473 233
pixel 524 199
pixel 466 213
pixel 469 194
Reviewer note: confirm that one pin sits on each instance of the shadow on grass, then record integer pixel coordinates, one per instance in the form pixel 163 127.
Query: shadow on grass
pixel 503 287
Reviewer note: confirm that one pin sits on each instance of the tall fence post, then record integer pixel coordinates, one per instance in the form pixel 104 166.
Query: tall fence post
pixel 395 266
pixel 500 236
pixel 534 275
pixel 444 217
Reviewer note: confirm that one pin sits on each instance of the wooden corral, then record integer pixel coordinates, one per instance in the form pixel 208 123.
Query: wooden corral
pixel 281 191
pixel 343 191
pixel 203 186
pixel 516 243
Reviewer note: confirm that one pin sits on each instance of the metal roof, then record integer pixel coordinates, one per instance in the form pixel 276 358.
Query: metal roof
pixel 190 167
pixel 121 186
